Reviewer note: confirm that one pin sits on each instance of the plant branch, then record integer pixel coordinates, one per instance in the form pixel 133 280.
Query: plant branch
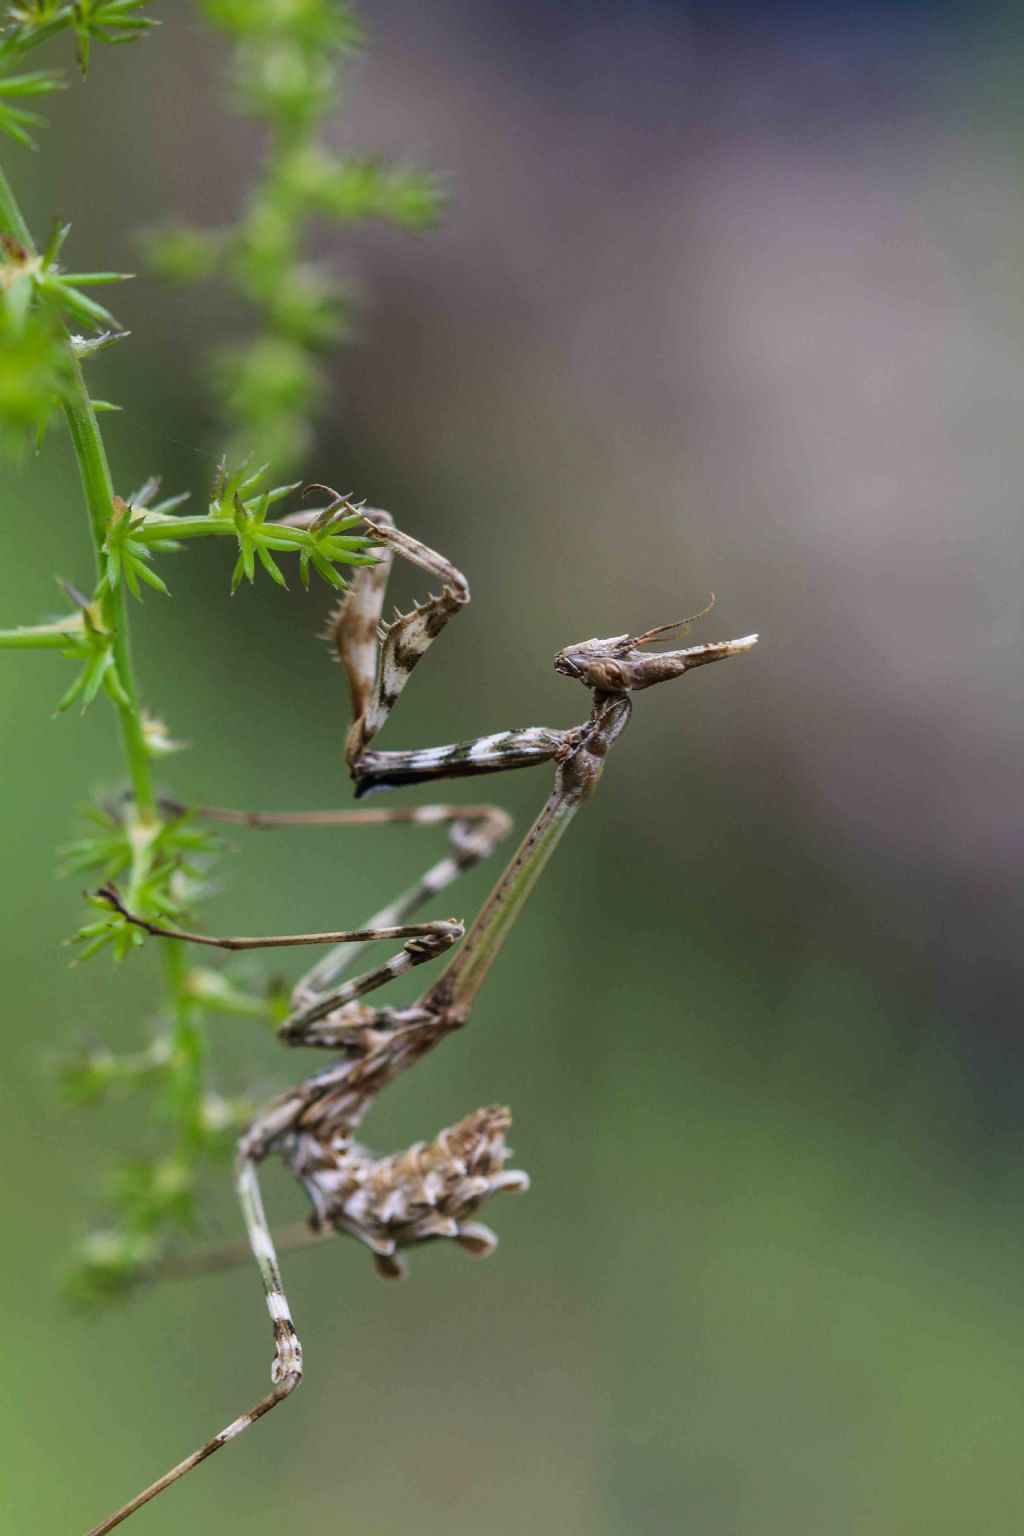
pixel 187 1041
pixel 98 489
pixel 60 636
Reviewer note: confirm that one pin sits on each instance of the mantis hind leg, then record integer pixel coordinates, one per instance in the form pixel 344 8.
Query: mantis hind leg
pixel 286 1370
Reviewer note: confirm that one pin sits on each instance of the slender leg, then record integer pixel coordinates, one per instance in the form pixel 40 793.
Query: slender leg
pixel 447 1004
pixel 440 931
pixel 303 1026
pixel 320 1015
pixel 475 830
pixel 423 941
pixel 286 1371
pixel 433 1190
pixel 348 1089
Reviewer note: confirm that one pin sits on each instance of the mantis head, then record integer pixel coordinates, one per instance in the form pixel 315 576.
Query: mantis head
pixel 621 665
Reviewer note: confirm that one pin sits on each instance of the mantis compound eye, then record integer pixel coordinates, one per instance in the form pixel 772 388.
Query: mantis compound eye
pixel 595 664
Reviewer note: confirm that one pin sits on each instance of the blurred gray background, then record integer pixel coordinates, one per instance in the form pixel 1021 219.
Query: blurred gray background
pixel 729 298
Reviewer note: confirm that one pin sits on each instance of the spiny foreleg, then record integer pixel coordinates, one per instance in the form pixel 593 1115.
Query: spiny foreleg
pixel 379 658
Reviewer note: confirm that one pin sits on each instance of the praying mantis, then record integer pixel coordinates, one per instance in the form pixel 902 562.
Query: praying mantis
pixel 433 1190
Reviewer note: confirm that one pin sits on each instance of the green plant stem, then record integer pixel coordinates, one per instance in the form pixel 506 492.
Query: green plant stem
pixel 99 498
pixel 41 637
pixel 187 1038
pixel 281 536
pixel 99 495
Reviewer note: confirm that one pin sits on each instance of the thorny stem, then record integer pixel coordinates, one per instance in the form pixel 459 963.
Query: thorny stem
pixel 98 487
pixel 285 536
pixel 36 637
pixel 188 1043
pixel 186 1037
pixel 99 493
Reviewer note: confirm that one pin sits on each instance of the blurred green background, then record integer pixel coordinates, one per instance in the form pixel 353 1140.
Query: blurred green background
pixel 729 298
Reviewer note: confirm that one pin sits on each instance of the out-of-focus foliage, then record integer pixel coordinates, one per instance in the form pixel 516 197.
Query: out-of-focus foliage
pixel 28 24
pixel 288 68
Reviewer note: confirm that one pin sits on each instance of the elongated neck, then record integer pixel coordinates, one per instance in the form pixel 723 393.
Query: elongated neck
pixel 575 781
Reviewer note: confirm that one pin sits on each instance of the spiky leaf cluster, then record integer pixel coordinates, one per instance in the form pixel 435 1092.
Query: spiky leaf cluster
pixel 40 305
pixel 25 26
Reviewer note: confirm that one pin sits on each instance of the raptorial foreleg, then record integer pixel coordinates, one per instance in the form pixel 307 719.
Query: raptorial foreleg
pixel 379 659
pixel 377 674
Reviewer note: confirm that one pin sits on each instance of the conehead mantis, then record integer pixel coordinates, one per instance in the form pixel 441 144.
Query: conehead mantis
pixel 434 1189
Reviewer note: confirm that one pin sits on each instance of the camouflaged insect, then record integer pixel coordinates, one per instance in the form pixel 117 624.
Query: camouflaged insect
pixel 434 1190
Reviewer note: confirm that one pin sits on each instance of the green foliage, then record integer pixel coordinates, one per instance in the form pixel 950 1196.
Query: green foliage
pixel 34 369
pixel 108 1263
pixel 289 59
pixel 238 509
pixel 105 21
pixel 18 121
pixel 92 1075
pixel 125 557
pixel 161 864
pixel 287 56
pixel 99 663
pixel 39 302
